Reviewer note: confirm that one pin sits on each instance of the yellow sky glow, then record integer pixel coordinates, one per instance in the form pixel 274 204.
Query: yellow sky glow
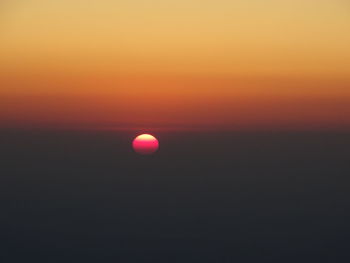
pixel 165 55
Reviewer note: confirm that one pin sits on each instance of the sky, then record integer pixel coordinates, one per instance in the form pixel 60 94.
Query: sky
pixel 175 64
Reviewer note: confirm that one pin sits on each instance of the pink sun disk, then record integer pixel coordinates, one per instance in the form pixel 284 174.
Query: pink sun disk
pixel 145 144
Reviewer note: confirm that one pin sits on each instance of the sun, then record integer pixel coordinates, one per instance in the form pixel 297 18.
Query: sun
pixel 145 144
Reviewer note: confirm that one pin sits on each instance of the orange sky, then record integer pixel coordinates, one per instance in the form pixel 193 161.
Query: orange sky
pixel 176 64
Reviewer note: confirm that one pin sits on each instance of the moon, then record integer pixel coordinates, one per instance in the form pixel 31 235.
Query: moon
pixel 145 144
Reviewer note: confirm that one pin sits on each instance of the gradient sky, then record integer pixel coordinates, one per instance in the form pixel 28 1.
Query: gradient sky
pixel 224 64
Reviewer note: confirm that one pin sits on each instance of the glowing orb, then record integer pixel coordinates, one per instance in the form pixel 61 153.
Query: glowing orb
pixel 145 144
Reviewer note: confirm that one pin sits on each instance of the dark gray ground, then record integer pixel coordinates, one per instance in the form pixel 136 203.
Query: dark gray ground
pixel 70 196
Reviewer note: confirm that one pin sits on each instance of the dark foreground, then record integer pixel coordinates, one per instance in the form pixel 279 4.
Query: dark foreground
pixel 204 197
